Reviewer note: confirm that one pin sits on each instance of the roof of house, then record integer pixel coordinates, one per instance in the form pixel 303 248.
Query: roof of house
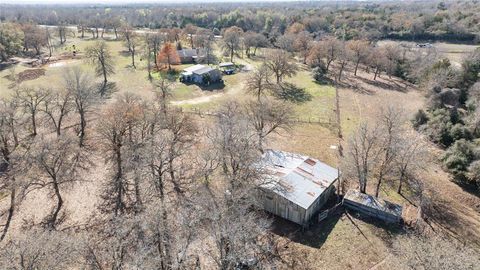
pixel 300 179
pixel 187 52
pixel 193 68
pixel 203 70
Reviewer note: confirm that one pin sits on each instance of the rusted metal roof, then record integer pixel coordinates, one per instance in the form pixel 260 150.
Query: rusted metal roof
pixel 298 178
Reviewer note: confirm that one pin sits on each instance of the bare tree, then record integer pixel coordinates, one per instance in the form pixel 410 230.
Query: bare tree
pixel 189 32
pixel 56 162
pixel 362 154
pixel 121 131
pixel 11 159
pixel 342 55
pixel 279 63
pixel 84 96
pixel 358 51
pixel 238 231
pixel 302 44
pixel 31 100
pixel 100 56
pixel 258 81
pixel 38 249
pixel 163 92
pixel 390 127
pixel 330 48
pixel 132 42
pixel 410 158
pixel 231 41
pixel 205 40
pixel 57 106
pixel 416 251
pixel 268 116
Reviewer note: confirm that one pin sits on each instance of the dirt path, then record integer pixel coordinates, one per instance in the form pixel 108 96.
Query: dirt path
pixel 197 100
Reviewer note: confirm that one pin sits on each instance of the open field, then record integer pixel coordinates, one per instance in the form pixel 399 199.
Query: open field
pixel 454 52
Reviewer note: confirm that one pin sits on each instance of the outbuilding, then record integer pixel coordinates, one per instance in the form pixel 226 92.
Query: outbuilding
pixel 295 186
pixel 201 74
pixel 227 67
pixel 371 206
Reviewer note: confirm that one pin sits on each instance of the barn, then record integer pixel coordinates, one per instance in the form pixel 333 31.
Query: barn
pixel 295 187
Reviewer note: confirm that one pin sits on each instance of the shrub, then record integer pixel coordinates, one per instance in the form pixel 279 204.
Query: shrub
pixel 458 157
pixel 438 127
pixel 420 118
pixel 474 173
pixel 319 73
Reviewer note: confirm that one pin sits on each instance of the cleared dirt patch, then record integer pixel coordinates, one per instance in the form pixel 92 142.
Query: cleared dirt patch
pixel 30 74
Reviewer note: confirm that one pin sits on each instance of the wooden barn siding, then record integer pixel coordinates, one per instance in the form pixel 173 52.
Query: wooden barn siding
pixel 286 209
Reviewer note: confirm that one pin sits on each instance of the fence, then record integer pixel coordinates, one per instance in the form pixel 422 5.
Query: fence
pixel 327 122
pixel 329 212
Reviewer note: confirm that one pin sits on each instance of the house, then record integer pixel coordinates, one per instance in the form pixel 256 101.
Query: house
pixel 227 67
pixel 371 206
pixel 296 186
pixel 201 74
pixel 189 56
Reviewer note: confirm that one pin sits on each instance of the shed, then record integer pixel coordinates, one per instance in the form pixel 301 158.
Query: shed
pixel 201 74
pixel 295 186
pixel 371 206
pixel 227 67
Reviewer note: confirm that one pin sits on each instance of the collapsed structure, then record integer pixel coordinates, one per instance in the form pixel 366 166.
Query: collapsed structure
pixel 295 186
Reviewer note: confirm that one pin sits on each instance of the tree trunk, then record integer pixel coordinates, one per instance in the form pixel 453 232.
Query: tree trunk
pixel 116 33
pixel 133 59
pixel 83 124
pixel 379 183
pixel 328 64
pixel 118 182
pixel 402 176
pixel 356 67
pixel 376 73
pixel 10 214
pixel 34 124
pixel 53 219
pixel 342 66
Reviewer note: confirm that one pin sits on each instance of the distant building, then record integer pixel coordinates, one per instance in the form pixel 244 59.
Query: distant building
pixel 201 74
pixel 371 206
pixel 296 186
pixel 189 56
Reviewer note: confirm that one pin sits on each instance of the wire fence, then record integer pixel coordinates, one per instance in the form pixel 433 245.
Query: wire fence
pixel 323 121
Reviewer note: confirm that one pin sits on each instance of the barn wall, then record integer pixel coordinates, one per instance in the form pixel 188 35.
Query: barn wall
pixel 321 200
pixel 275 204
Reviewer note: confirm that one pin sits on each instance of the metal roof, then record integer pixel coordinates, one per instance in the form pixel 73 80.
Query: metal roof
pixel 187 52
pixel 300 179
pixel 194 68
pixel 202 71
pixel 372 202
pixel 226 64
